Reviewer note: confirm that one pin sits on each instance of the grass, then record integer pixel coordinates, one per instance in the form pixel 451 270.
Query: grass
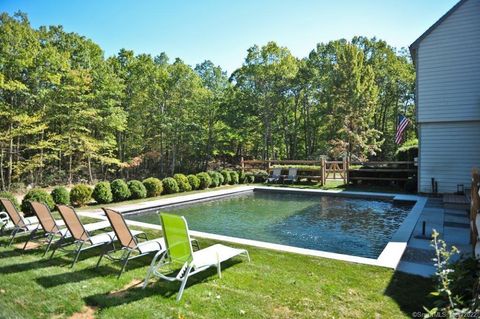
pixel 273 285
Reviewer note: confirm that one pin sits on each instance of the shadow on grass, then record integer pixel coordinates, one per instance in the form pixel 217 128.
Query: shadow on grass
pixel 403 288
pixel 36 264
pixel 73 276
pixel 158 287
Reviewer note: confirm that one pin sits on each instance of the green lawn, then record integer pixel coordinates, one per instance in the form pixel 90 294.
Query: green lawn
pixel 273 285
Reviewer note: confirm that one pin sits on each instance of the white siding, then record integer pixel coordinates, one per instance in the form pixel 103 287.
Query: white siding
pixel 448 152
pixel 448 68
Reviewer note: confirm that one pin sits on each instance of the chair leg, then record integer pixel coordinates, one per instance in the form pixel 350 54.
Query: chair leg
pixel 104 251
pixel 152 266
pixel 77 254
pixel 124 265
pixel 12 236
pixel 57 244
pixel 32 235
pixel 184 282
pixel 50 241
pixel 219 270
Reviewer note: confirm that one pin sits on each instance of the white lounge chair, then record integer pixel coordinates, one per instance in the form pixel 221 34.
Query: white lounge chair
pixel 276 175
pixel 292 175
pixel 180 253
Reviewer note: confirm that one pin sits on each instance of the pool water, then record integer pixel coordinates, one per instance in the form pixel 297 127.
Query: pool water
pixel 353 226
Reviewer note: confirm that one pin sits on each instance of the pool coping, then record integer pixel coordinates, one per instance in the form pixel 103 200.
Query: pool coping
pixel 389 257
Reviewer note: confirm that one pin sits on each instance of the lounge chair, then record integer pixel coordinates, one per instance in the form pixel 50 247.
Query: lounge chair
pixel 129 240
pixel 82 239
pixel 55 228
pixel 292 175
pixel 17 223
pixel 276 175
pixel 180 253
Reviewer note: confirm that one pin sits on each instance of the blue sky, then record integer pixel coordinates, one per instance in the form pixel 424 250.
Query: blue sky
pixel 223 30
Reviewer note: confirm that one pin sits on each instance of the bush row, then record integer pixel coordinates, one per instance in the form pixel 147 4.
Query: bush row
pixel 119 190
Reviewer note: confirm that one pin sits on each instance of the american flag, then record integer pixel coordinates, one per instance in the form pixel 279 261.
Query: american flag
pixel 402 125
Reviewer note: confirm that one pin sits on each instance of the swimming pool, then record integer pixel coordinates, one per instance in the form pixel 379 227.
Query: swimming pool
pixel 344 225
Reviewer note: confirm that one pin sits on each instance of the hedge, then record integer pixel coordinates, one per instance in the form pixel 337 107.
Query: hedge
pixel 120 190
pixel 182 182
pixel 170 185
pixel 36 195
pixel 205 180
pixel 80 195
pixel 137 189
pixel 102 193
pixel 154 186
pixel 60 195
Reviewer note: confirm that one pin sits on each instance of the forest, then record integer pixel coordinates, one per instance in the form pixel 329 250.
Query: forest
pixel 70 114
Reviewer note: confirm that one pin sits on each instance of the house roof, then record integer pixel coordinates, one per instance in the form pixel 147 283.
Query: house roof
pixel 413 47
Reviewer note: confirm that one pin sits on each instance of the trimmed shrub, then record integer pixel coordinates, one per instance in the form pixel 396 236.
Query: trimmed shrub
pixel 102 193
pixel 193 181
pixel 137 190
pixel 220 178
pixel 242 179
pixel 11 197
pixel 249 178
pixel 215 180
pixel 260 176
pixel 233 177
pixel 36 195
pixel 205 180
pixel 226 177
pixel 60 195
pixel 120 190
pixel 170 185
pixel 80 195
pixel 153 186
pixel 182 182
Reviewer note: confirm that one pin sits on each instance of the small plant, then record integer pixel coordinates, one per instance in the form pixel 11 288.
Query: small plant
pixel 154 186
pixel 137 189
pixel 215 179
pixel 11 197
pixel 260 176
pixel 60 195
pixel 120 190
pixel 193 181
pixel 249 178
pixel 182 182
pixel 36 195
pixel 102 193
pixel 80 195
pixel 170 185
pixel 226 177
pixel 205 180
pixel 234 178
pixel 241 177
pixel 454 293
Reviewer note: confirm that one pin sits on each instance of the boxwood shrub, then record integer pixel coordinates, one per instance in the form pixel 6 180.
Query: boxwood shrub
pixel 234 178
pixel 80 195
pixel 182 182
pixel 36 195
pixel 193 181
pixel 249 178
pixel 154 186
pixel 60 195
pixel 260 176
pixel 226 177
pixel 241 177
pixel 11 197
pixel 215 180
pixel 102 193
pixel 137 189
pixel 120 190
pixel 205 180
pixel 170 185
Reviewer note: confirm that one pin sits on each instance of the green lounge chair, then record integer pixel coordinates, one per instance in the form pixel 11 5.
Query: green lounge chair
pixel 180 253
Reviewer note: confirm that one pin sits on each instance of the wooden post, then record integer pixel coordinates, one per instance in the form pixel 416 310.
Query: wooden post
pixel 345 170
pixel 242 164
pixel 324 176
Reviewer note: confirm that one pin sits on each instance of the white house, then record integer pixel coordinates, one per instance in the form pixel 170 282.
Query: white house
pixel 447 62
